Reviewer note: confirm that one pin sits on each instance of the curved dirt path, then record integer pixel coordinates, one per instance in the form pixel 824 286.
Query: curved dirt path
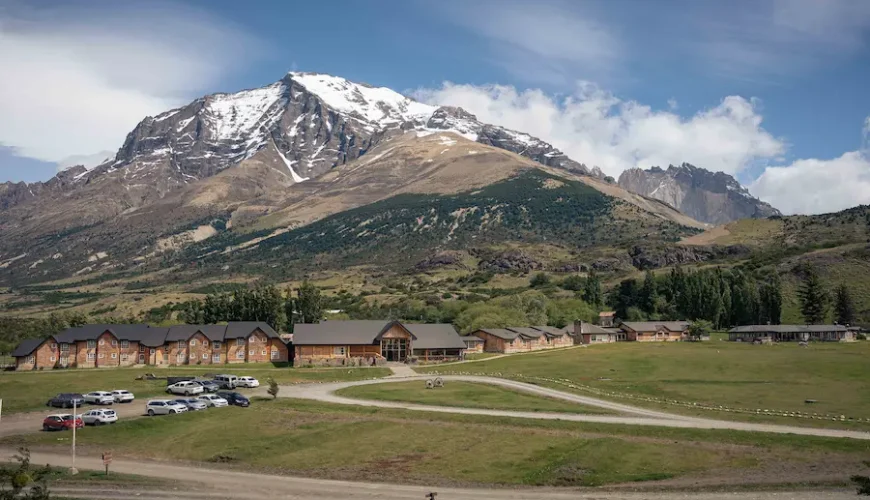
pixel 211 484
pixel 636 416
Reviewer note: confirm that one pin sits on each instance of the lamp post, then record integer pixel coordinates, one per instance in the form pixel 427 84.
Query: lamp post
pixel 72 470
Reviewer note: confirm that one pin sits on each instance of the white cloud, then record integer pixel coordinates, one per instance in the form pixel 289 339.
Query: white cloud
pixel 596 128
pixel 541 41
pixel 87 161
pixel 816 186
pixel 77 79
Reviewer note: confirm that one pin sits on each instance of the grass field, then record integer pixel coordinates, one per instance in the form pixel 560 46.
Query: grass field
pixel 25 391
pixel 779 377
pixel 333 441
pixel 464 394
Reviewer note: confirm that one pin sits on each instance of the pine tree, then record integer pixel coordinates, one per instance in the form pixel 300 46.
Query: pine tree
pixel 813 297
pixel 844 308
pixel 648 294
pixel 592 290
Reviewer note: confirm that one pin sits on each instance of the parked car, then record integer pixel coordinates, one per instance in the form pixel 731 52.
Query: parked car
pixel 164 407
pixel 250 382
pixel 66 400
pixel 99 417
pixel 213 400
pixel 226 381
pixel 208 385
pixel 122 396
pixel 192 404
pixel 188 388
pixel 61 422
pixel 99 398
pixel 234 398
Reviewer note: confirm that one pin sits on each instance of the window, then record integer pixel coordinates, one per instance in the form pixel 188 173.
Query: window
pixel 101 356
pixel 141 358
pixel 240 342
pixel 339 351
pixel 92 344
pixel 53 346
pixel 204 355
pixel 263 352
pixel 102 341
pixel 52 359
pixel 240 355
pixel 142 349
pixel 125 344
pixel 275 354
pixel 205 343
pixel 193 342
pixel 181 344
pixel 123 357
pixel 114 355
pixel 216 345
pixel 251 352
pixel 91 356
pixel 216 358
pixel 114 343
pixel 31 359
pixel 180 358
pixel 153 351
pixel 64 347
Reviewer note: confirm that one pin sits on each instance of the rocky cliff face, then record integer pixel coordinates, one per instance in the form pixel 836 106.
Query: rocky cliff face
pixel 715 198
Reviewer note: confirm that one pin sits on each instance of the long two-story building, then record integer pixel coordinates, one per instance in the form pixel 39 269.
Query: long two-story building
pixel 102 346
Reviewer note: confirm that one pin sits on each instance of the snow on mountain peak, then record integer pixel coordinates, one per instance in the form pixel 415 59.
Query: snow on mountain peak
pixel 378 106
pixel 236 115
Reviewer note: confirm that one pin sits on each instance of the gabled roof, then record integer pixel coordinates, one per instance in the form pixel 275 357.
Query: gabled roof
pixel 184 332
pixel 26 347
pixel 470 338
pixel 606 314
pixel 92 332
pixel 239 329
pixel 787 329
pixel 500 333
pixel 434 336
pixel 651 326
pixel 552 331
pixel 526 331
pixel 589 328
pixel 354 332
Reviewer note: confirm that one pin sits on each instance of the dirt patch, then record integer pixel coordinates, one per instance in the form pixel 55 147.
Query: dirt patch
pixel 707 237
pixel 552 184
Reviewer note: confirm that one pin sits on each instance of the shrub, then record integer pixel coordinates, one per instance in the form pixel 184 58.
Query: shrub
pixel 273 387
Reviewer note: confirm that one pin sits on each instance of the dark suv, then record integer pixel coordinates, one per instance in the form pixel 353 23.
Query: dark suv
pixel 234 398
pixel 66 400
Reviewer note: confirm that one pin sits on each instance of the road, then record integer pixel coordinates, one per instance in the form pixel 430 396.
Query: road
pixel 634 416
pixel 214 484
pixel 25 423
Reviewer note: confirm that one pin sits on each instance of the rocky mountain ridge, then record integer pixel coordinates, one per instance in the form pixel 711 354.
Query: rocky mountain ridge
pixel 711 197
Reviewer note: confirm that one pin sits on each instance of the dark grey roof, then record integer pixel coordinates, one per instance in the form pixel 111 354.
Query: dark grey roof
pixel 153 337
pixel 551 331
pixel 470 338
pixel 184 332
pixel 92 332
pixel 651 326
pixel 526 331
pixel 26 347
pixel 589 328
pixel 500 333
pixel 434 336
pixel 787 329
pixel 354 332
pixel 240 329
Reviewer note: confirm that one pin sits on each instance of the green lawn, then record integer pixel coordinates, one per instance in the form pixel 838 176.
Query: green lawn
pixel 479 355
pixel 314 439
pixel 464 394
pixel 779 377
pixel 25 391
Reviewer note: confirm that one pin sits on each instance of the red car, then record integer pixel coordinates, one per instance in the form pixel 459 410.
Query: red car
pixel 61 423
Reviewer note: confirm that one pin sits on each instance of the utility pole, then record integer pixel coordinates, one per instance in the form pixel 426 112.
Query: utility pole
pixel 72 470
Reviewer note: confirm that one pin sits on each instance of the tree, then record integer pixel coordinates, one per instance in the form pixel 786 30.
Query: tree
pixel 844 307
pixel 592 290
pixel 309 304
pixel 14 479
pixel 624 296
pixel 273 387
pixel 813 297
pixel 289 313
pixel 699 328
pixel 539 280
pixel 575 283
pixel 563 312
pixel 648 295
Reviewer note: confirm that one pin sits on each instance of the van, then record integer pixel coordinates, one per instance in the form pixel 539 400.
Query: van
pixel 226 381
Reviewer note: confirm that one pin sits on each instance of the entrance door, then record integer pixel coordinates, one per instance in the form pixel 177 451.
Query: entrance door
pixel 394 349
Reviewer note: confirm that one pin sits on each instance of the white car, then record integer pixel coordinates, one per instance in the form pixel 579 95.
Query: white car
pixel 99 417
pixel 99 398
pixel 164 407
pixel 187 387
pixel 122 396
pixel 213 400
pixel 250 382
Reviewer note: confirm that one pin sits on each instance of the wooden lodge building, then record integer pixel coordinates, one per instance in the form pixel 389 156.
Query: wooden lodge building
pixel 791 333
pixel 102 346
pixel 523 339
pixel 370 341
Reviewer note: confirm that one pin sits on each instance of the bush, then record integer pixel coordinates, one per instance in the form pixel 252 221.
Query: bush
pixel 273 387
pixel 860 336
pixel 539 280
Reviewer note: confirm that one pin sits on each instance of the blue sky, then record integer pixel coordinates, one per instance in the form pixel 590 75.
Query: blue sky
pixel 754 88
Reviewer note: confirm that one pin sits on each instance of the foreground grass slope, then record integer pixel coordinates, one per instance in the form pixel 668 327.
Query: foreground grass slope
pixel 737 375
pixel 26 391
pixel 464 394
pixel 321 440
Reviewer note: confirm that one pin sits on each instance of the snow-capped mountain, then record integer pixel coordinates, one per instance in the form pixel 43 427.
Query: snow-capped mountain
pixel 314 122
pixel 715 198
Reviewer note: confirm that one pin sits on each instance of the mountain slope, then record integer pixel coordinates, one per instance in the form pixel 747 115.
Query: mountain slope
pixel 715 198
